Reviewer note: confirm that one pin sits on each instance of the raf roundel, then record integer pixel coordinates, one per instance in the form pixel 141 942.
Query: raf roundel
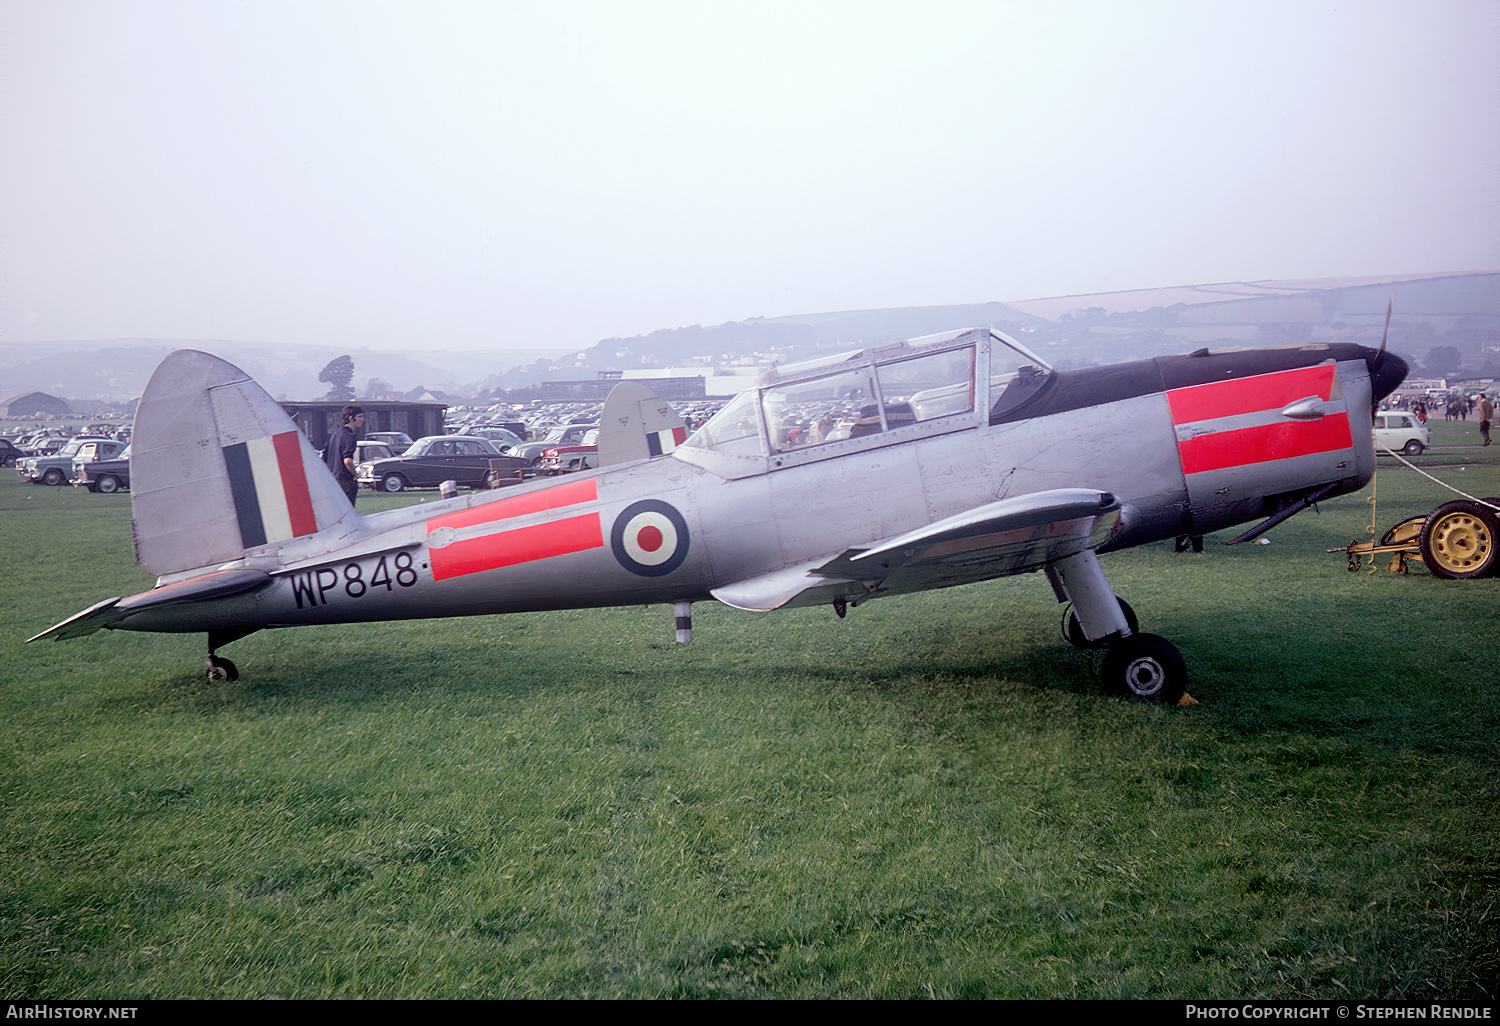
pixel 650 538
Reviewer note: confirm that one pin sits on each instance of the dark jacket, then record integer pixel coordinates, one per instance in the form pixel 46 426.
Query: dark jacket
pixel 340 447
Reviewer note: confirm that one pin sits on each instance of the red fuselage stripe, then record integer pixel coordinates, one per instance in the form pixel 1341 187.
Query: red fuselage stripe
pixel 569 494
pixel 523 545
pixel 1249 395
pixel 1266 442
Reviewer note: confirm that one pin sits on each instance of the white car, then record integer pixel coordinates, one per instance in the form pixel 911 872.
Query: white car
pixel 1401 431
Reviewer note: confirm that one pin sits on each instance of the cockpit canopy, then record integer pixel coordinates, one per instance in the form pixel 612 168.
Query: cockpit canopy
pixel 888 393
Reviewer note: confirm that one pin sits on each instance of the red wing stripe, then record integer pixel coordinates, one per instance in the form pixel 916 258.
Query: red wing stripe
pixel 1267 442
pixel 1249 395
pixel 523 545
pixel 569 494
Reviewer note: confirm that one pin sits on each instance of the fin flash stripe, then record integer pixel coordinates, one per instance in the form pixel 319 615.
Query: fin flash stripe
pixel 271 498
pixel 659 443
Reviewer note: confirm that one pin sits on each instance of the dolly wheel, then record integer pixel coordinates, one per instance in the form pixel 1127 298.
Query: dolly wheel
pixel 1458 540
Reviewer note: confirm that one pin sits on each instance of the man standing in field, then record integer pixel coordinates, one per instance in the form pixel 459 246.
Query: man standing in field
pixel 341 448
pixel 1486 411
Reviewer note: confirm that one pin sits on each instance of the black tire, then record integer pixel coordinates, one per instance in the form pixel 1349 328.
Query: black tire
pixel 220 669
pixel 393 483
pixel 1458 540
pixel 52 476
pixel 107 483
pixel 1145 668
pixel 1073 630
pixel 1412 448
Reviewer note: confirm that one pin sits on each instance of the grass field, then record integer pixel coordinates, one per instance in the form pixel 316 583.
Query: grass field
pixel 928 798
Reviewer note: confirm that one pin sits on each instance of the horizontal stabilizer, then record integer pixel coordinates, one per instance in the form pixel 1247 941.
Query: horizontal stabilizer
pixel 195 589
pixel 96 616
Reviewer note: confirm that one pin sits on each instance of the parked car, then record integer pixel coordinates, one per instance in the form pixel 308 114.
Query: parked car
pixel 105 476
pixel 435 459
pixel 564 459
pixel 58 468
pixel 563 434
pixel 399 441
pixel 91 452
pixel 44 445
pixel 504 438
pixel 10 452
pixel 368 452
pixel 1401 431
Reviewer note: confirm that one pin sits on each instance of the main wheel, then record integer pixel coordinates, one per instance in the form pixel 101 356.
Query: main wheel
pixel 1145 667
pixel 1458 540
pixel 107 484
pixel 1412 448
pixel 1073 630
pixel 393 483
pixel 221 669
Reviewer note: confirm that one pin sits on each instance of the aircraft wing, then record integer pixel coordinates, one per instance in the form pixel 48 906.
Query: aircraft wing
pixel 1001 538
pixel 195 589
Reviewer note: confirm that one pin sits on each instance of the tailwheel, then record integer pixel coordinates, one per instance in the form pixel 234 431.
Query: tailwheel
pixel 1145 667
pixel 1458 540
pixel 221 669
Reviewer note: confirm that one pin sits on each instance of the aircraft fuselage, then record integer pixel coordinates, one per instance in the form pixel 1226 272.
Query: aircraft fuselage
pixel 1187 445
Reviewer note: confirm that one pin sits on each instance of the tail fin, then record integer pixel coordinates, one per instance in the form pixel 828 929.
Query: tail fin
pixel 636 424
pixel 217 469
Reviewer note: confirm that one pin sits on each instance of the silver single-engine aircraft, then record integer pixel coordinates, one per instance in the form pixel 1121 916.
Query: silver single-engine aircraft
pixel 928 463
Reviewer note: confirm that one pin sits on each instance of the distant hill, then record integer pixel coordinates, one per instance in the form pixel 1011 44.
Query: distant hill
pixel 1457 310
pixel 118 369
pixel 1440 318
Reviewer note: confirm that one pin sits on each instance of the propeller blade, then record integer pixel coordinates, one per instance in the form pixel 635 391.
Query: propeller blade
pixel 1380 358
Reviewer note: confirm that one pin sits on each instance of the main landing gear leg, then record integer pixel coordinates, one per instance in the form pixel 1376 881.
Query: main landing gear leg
pixel 1140 666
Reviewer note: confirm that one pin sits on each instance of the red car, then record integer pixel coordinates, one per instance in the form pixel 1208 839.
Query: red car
pixel 564 459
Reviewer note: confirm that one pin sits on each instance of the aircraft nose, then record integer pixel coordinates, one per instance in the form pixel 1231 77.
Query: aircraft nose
pixel 1387 371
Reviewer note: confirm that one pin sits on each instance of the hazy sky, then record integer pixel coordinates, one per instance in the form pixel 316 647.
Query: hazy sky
pixel 549 173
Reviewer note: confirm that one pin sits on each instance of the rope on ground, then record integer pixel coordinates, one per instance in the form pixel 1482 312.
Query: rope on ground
pixel 1445 484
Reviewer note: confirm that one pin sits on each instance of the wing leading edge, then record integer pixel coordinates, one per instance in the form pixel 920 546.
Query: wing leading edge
pixel 1011 536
